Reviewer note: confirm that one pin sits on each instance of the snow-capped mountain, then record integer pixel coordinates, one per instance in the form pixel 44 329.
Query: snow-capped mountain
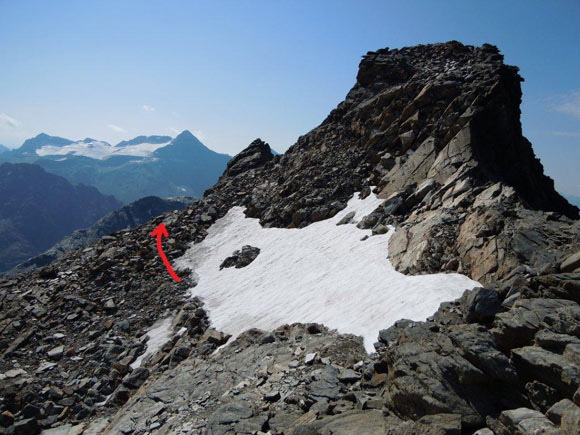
pixel 141 146
pixel 146 165
pixel 3 149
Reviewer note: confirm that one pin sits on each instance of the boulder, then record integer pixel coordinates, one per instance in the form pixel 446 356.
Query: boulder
pixel 547 367
pixel 526 421
pixel 571 263
pixel 480 304
pixel 136 378
pixel 557 410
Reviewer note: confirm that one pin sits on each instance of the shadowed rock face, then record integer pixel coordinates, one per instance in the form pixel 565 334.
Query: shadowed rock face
pixel 37 209
pixel 127 217
pixel 435 131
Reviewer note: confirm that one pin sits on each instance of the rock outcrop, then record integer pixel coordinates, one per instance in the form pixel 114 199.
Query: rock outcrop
pixel 435 131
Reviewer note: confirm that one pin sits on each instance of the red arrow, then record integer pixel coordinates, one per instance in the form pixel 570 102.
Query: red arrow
pixel 159 232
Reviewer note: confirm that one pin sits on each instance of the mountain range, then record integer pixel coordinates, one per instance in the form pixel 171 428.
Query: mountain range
pixel 406 267
pixel 127 217
pixel 144 166
pixel 37 209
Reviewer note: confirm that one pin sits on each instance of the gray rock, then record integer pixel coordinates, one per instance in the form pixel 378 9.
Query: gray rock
pixel 555 342
pixel 27 426
pixel 557 410
pixel 448 424
pixel 6 418
pixel 310 358
pixel 241 258
pixel 407 138
pixel 217 338
pixel 369 422
pixel 394 205
pixel 523 420
pixel 479 347
pixel 518 327
pixel 547 367
pixel 347 219
pixel 326 384
pixel 571 421
pixel 571 263
pixel 480 304
pixel 136 378
pixel 272 396
pixel 231 413
pixel 56 353
pixel 541 395
pixel 348 376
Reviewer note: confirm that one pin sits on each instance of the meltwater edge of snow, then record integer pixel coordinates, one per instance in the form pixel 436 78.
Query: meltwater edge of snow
pixel 323 273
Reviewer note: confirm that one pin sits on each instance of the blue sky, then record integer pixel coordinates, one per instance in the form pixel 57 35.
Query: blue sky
pixel 231 71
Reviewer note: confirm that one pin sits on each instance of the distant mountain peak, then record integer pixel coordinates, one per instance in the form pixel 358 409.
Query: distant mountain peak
pixel 185 134
pixel 186 139
pixel 31 145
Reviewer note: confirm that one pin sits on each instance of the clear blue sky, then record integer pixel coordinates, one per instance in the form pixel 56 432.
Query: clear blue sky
pixel 231 71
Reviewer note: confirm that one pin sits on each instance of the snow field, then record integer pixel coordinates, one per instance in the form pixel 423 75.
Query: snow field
pixel 100 150
pixel 323 273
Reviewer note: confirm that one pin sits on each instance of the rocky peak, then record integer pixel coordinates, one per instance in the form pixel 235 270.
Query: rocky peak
pixel 253 156
pixel 185 134
pixel 458 104
pixel 42 139
pixel 436 130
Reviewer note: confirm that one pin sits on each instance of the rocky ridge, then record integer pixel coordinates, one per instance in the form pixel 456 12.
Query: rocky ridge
pixel 433 129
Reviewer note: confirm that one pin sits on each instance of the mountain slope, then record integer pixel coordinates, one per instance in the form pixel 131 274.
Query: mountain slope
pixel 3 149
pixel 127 217
pixel 144 166
pixel 37 209
pixel 575 200
pixel 421 140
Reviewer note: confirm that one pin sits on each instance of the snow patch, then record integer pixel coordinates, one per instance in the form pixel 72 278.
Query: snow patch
pixel 159 334
pixel 323 273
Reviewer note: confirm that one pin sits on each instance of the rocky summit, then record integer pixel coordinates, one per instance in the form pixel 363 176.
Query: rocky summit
pixel 103 341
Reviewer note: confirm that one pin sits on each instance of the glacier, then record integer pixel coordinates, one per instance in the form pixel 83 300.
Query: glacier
pixel 100 150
